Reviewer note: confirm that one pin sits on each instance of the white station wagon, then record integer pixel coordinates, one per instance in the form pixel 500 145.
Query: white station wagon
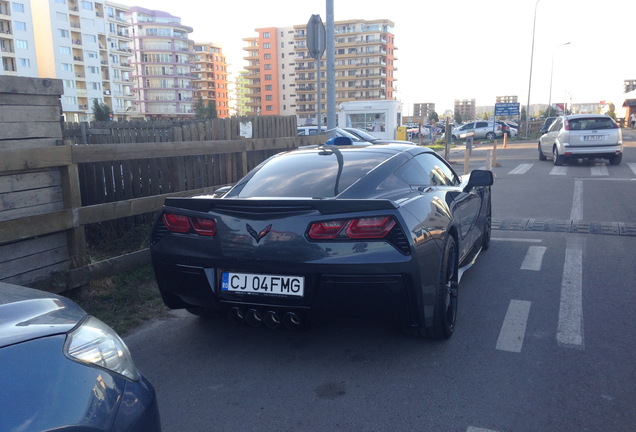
pixel 584 136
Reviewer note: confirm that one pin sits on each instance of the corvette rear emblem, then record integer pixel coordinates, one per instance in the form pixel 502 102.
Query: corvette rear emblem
pixel 260 235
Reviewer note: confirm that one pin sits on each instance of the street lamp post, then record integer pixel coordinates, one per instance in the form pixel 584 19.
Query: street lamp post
pixel 551 73
pixel 534 24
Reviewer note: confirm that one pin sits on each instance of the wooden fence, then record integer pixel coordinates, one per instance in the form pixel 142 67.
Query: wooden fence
pixel 51 189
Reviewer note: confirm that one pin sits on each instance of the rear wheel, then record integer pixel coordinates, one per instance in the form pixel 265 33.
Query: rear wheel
pixel 541 155
pixel 490 136
pixel 445 310
pixel 557 159
pixel 616 159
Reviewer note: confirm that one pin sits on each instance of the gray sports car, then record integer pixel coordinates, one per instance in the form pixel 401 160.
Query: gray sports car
pixel 381 229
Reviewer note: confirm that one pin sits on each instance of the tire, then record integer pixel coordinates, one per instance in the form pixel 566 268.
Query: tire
pixel 557 159
pixel 490 136
pixel 615 160
pixel 445 309
pixel 487 230
pixel 541 155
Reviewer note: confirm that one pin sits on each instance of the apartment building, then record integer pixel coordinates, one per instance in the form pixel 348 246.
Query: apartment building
pixel 163 62
pixel 17 41
pixel 507 99
pixel 210 77
pixel 240 94
pixel 466 108
pixel 364 68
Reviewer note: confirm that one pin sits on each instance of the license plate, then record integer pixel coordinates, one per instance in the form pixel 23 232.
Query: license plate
pixel 594 138
pixel 263 284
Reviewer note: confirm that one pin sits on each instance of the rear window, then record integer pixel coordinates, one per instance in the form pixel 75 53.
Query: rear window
pixel 311 174
pixel 593 123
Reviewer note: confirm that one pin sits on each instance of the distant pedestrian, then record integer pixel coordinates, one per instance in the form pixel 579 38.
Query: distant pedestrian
pixel 632 120
pixel 377 125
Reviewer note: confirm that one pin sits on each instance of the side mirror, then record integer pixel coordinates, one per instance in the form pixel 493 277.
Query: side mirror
pixel 480 178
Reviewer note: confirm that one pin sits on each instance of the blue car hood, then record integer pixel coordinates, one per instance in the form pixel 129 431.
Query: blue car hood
pixel 27 314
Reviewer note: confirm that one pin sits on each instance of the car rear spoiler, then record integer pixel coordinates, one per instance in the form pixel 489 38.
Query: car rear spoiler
pixel 267 205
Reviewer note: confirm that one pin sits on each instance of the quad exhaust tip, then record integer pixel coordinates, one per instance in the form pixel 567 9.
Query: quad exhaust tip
pixel 270 319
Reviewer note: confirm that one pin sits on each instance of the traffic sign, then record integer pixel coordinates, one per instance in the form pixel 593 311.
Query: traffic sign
pixel 507 109
pixel 316 37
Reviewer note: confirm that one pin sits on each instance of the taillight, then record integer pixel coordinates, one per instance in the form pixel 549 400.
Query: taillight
pixel 376 227
pixel 361 228
pixel 326 230
pixel 183 224
pixel 202 226
pixel 566 124
pixel 176 223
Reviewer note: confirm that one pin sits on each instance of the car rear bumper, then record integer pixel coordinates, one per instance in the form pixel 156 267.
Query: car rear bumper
pixel 592 151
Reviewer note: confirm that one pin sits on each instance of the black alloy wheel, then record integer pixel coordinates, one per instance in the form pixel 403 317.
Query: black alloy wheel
pixel 487 231
pixel 445 310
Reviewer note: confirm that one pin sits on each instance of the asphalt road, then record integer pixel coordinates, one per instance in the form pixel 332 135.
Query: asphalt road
pixel 544 338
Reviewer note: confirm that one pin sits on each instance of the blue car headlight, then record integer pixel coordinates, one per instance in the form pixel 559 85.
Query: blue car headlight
pixel 95 343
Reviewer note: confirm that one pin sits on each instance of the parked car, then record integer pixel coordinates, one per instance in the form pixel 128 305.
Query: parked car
pixel 582 136
pixel 384 230
pixel 310 130
pixel 482 129
pixel 65 370
pixel 368 137
pixel 505 129
pixel 546 125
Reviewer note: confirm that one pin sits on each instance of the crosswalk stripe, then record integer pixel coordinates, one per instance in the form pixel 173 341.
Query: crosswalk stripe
pixel 600 170
pixel 632 166
pixel 558 170
pixel 570 327
pixel 513 329
pixel 534 258
pixel 521 169
pixel 476 429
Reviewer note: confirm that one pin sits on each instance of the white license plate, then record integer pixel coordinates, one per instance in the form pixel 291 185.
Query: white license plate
pixel 594 138
pixel 263 284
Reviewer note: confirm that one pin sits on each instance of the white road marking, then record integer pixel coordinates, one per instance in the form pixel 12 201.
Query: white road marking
pixel 632 166
pixel 476 429
pixel 558 170
pixel 533 258
pixel 513 329
pixel 570 327
pixel 516 240
pixel 600 170
pixel 521 169
pixel 577 201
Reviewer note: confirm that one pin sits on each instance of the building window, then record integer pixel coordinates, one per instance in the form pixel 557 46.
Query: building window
pixel 268 87
pixel 21 44
pixel 268 77
pixel 17 7
pixel 69 84
pixel 63 33
pixel 267 66
pixel 268 98
pixel 19 25
pixel 266 45
pixel 23 62
pixel 267 56
pixel 269 108
pixel 87 5
pixel 67 67
pixel 266 35
pixel 65 50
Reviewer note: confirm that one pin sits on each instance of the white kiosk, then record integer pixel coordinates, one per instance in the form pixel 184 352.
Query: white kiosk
pixel 378 117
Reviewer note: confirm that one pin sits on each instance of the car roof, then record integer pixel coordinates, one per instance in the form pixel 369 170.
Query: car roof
pixel 576 116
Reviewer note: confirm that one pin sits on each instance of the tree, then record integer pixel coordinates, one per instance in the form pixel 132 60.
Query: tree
pixel 611 111
pixel 522 115
pixel 101 111
pixel 204 112
pixel 434 117
pixel 458 118
pixel 485 116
